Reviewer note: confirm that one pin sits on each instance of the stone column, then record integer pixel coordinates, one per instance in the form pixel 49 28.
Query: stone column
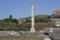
pixel 32 20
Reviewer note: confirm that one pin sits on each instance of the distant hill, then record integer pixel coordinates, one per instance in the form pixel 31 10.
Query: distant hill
pixel 38 18
pixel 42 16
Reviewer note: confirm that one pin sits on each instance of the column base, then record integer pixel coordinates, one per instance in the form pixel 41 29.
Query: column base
pixel 32 30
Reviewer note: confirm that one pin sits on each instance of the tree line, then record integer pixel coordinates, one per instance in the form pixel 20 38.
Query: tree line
pixel 45 19
pixel 10 19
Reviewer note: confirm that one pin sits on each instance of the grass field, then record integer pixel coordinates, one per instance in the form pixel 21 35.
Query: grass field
pixel 23 36
pixel 20 38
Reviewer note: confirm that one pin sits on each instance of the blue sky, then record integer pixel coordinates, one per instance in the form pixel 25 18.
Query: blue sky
pixel 22 8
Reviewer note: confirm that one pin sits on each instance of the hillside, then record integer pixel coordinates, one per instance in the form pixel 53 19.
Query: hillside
pixel 38 18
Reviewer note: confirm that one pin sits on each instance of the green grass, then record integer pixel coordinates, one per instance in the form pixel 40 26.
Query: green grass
pixel 24 38
pixel 8 26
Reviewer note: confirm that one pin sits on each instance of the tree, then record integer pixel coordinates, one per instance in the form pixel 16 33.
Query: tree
pixel 15 21
pixel 27 21
pixel 10 18
pixel 0 20
pixel 6 20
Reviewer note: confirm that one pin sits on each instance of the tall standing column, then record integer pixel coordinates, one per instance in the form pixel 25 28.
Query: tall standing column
pixel 32 20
